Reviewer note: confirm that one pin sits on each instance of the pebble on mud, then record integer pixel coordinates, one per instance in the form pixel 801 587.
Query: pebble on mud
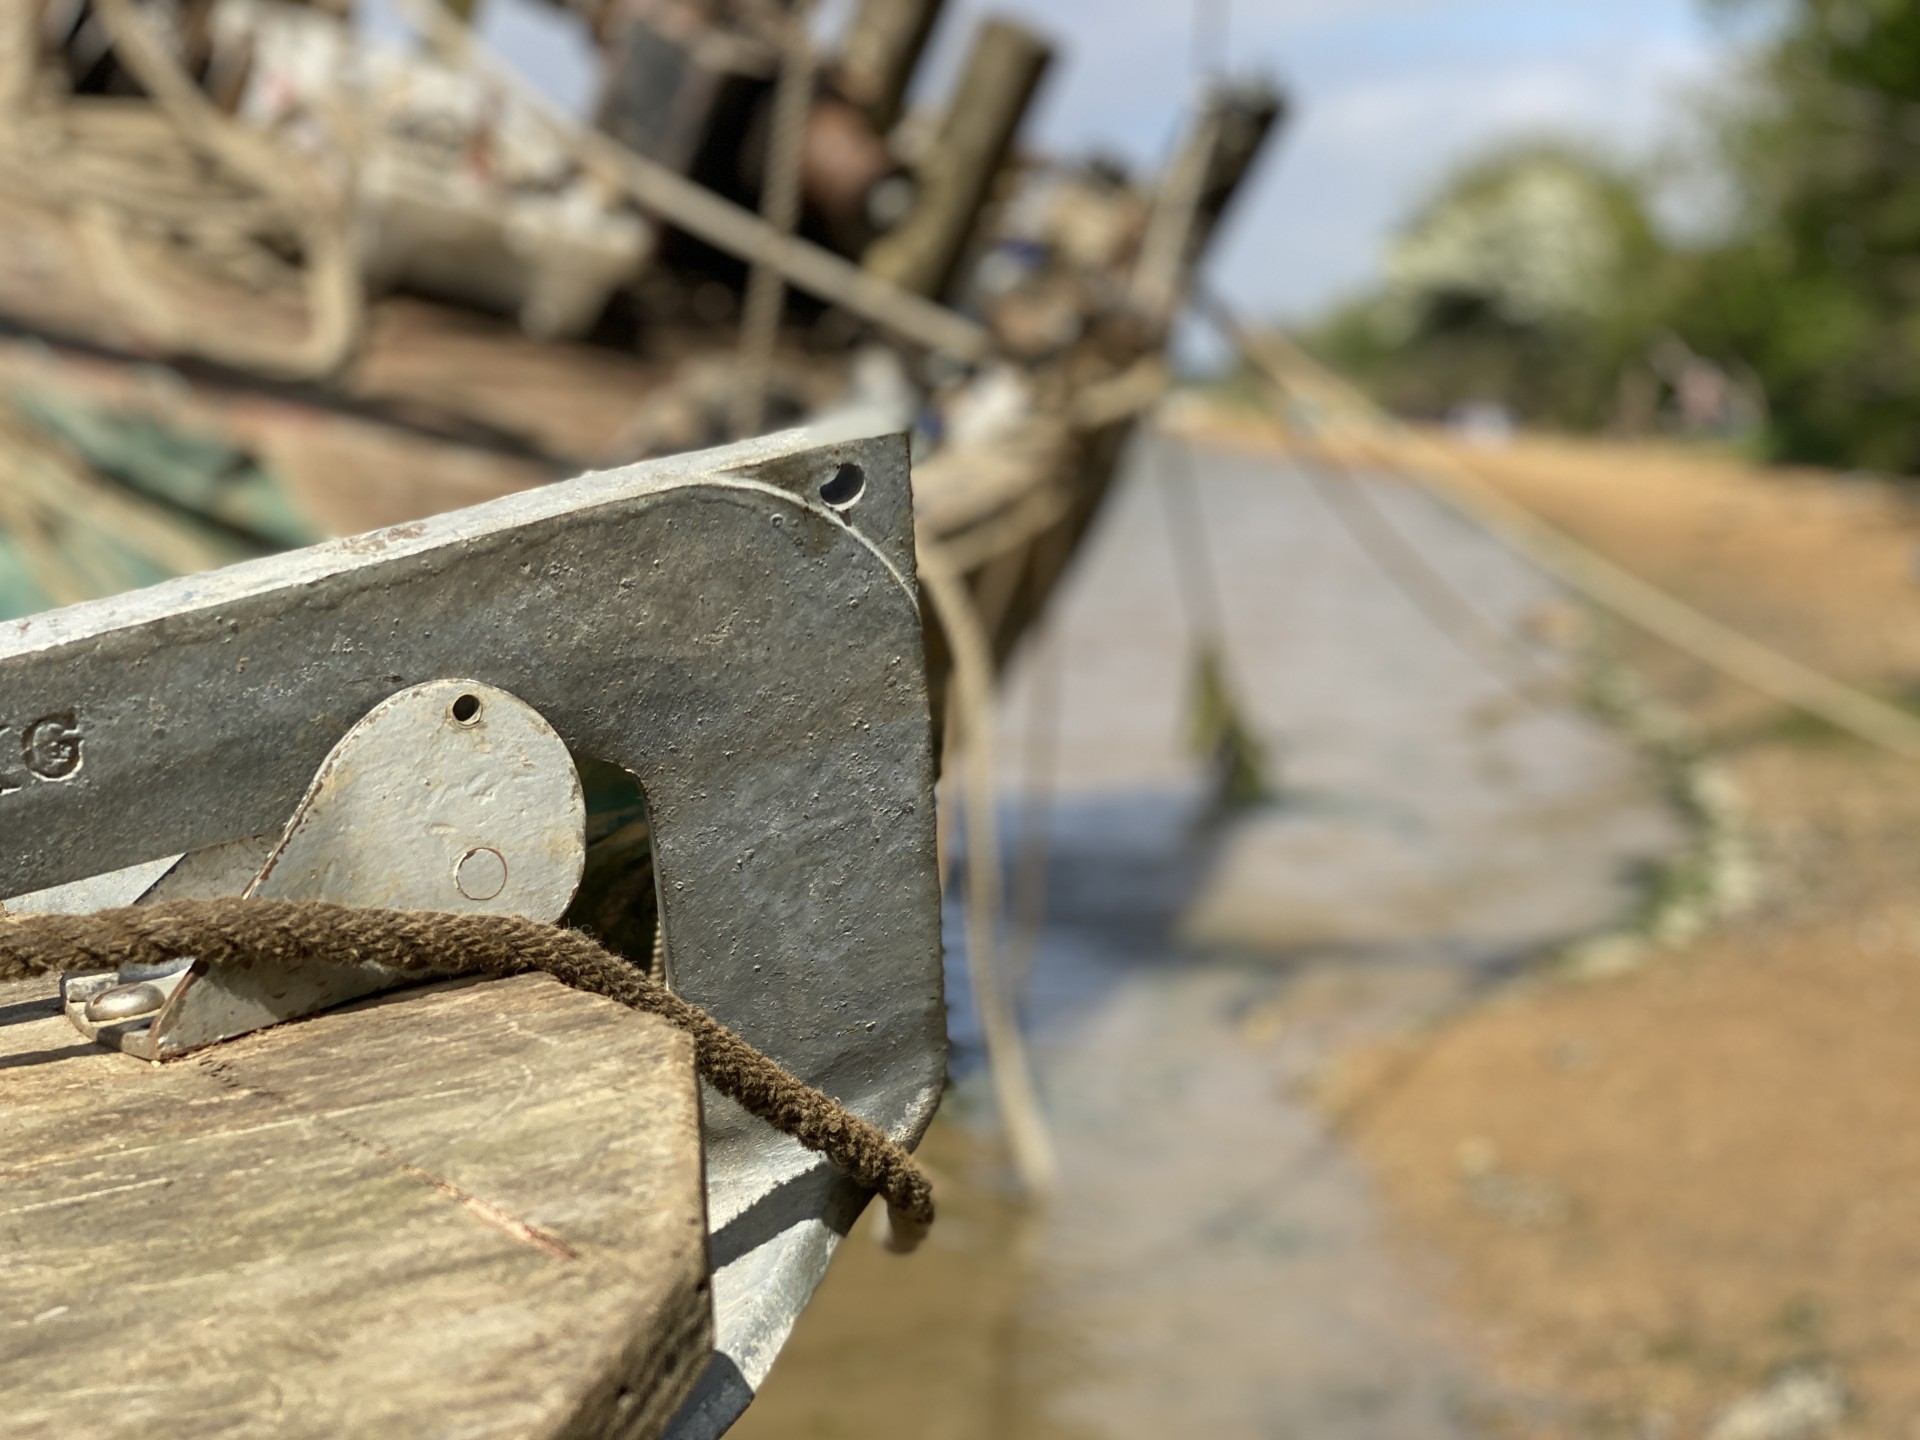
pixel 1520 1200
pixel 1802 1404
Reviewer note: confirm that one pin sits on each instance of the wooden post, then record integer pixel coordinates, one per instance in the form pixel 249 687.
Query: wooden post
pixel 1002 74
pixel 882 51
pixel 1227 136
pixel 19 55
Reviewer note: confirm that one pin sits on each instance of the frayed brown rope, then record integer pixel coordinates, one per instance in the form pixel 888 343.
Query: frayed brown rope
pixel 422 942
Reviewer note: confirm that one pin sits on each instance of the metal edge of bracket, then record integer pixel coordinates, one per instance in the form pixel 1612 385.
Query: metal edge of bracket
pixel 749 652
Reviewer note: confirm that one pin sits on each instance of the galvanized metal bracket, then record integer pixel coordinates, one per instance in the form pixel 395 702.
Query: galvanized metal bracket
pixel 451 795
pixel 739 629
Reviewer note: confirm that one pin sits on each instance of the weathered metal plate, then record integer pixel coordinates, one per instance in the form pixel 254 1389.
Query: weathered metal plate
pixel 751 653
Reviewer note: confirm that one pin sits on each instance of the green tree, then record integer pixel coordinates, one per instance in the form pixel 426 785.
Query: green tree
pixel 1817 287
pixel 1531 279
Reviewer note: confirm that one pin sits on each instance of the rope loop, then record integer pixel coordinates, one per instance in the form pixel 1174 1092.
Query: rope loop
pixel 429 943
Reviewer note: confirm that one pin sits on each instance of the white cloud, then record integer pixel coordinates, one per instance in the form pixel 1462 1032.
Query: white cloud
pixel 1367 150
pixel 1389 95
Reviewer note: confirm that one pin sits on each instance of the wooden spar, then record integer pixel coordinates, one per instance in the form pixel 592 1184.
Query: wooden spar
pixel 19 55
pixel 1003 71
pixel 882 51
pixel 1228 133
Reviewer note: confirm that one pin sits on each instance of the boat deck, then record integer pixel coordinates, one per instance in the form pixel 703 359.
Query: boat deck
pixel 471 1209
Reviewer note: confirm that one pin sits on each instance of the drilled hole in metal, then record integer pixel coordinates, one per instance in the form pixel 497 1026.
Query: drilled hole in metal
pixel 466 709
pixel 844 487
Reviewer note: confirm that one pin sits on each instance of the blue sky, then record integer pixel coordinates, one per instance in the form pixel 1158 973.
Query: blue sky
pixel 1388 94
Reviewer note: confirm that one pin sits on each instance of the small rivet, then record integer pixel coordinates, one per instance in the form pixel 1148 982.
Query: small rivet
pixel 481 873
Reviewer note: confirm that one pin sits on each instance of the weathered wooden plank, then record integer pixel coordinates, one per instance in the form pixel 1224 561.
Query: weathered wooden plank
pixel 472 1210
pixel 1002 72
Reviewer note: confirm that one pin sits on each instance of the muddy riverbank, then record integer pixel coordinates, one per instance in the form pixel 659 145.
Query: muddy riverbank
pixel 1682 1198
pixel 1218 1261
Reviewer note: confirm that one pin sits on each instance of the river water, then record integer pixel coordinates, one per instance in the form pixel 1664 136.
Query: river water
pixel 1214 1263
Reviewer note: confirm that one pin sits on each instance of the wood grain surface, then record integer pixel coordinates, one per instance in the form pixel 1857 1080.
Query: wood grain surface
pixel 469 1210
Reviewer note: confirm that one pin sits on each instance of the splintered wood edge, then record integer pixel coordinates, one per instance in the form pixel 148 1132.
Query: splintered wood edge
pixel 472 1208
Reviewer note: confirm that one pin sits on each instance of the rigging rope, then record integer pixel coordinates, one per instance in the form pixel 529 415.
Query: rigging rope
pixel 424 943
pixel 780 207
pixel 1217 723
pixel 295 192
pixel 1429 591
pixel 690 206
pixel 1038 766
pixel 1007 1061
pixel 1581 569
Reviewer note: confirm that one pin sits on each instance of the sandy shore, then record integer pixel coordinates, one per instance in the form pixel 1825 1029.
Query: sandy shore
pixel 1686 1196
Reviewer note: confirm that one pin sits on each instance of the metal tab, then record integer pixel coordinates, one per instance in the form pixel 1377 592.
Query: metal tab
pixel 431 778
pixel 451 795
